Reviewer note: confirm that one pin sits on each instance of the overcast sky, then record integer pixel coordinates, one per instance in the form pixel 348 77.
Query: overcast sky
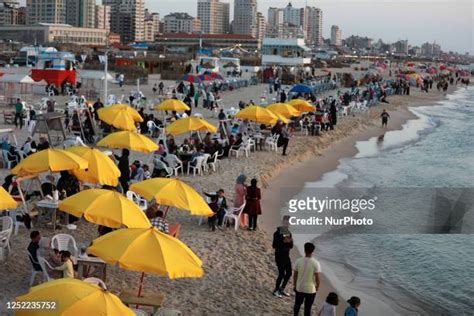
pixel 448 22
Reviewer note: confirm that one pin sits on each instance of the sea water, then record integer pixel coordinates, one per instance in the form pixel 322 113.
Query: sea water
pixel 420 273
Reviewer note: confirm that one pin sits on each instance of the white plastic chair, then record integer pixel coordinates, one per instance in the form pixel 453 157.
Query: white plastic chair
pixel 96 281
pixel 204 164
pixel 213 163
pixel 17 223
pixel 4 243
pixel 65 242
pixel 44 263
pixel 7 229
pixel 234 214
pixel 272 142
pixel 135 198
pixel 33 271
pixel 198 115
pixel 8 163
pixel 304 129
pixel 178 167
pixel 196 166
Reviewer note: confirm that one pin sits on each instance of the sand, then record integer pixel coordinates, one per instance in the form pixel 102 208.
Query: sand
pixel 239 267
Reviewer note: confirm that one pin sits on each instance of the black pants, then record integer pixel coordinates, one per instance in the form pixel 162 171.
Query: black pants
pixel 124 184
pixel 283 142
pixel 253 221
pixel 308 300
pixel 18 117
pixel 284 271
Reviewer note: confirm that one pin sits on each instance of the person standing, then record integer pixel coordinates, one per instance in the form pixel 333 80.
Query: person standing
pixel 240 191
pixel 252 206
pixel 18 113
pixel 385 116
pixel 121 79
pixel 329 306
pixel 97 105
pixel 282 243
pixel 160 88
pixel 124 167
pixel 306 280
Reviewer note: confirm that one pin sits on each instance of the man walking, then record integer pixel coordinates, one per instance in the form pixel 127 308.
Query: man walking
pixel 306 280
pixel 282 243
pixel 18 113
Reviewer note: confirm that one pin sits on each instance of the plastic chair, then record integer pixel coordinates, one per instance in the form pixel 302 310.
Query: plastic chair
pixel 196 166
pixel 272 142
pixel 44 263
pixel 63 242
pixel 178 167
pixel 16 222
pixel 204 163
pixel 33 271
pixel 4 243
pixel 214 161
pixel 96 281
pixel 7 229
pixel 8 163
pixel 233 213
pixel 135 198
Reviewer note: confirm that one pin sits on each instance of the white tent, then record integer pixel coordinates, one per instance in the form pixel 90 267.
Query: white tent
pixel 16 84
pixel 16 78
pixel 92 82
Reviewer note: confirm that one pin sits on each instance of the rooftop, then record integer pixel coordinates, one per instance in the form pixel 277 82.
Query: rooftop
pixel 206 36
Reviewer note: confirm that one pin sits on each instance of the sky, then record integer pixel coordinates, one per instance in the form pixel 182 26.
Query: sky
pixel 448 22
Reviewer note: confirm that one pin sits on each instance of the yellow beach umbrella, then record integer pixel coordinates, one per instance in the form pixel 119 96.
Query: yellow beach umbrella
pixel 102 170
pixel 280 117
pixel 105 207
pixel 72 297
pixel 174 193
pixel 172 105
pixel 190 124
pixel 129 140
pixel 120 119
pixel 284 109
pixel 147 250
pixel 131 111
pixel 257 114
pixel 53 160
pixel 6 200
pixel 302 105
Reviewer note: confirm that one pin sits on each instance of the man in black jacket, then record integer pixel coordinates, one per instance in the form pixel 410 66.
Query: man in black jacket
pixel 282 243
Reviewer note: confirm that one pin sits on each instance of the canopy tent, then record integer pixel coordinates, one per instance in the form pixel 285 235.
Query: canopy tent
pixel 92 81
pixel 16 84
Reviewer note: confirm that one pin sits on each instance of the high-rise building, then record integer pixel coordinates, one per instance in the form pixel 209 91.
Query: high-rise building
pixel 245 17
pixel 401 47
pixel 80 13
pixel 261 26
pixel 294 16
pixel 9 10
pixel 102 17
pixel 214 16
pixel 180 22
pixel 430 50
pixel 152 25
pixel 127 18
pixel 275 22
pixel 46 11
pixel 336 36
pixel 313 22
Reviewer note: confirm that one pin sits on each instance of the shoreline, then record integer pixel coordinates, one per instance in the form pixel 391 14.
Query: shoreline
pixel 291 181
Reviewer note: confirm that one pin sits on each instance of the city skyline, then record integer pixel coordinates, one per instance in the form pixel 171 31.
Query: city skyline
pixel 348 14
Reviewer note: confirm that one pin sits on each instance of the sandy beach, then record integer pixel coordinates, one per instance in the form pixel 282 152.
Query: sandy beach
pixel 239 266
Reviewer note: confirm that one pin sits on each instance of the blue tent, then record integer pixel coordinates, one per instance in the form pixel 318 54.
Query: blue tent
pixel 301 88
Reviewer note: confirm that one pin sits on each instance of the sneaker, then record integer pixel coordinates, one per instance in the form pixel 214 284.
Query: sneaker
pixel 283 293
pixel 277 294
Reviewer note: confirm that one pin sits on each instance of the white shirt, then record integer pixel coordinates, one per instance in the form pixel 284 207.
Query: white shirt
pixel 327 310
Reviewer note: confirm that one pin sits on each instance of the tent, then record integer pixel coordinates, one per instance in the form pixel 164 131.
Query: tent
pixel 92 81
pixel 16 84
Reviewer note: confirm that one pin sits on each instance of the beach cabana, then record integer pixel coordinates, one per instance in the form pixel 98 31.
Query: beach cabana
pixel 16 84
pixel 92 81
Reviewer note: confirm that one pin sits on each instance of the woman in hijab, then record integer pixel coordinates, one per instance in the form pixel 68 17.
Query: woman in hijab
pixel 252 206
pixel 240 191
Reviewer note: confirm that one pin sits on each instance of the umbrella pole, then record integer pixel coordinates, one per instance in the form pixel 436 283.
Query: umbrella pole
pixel 140 287
pixel 166 212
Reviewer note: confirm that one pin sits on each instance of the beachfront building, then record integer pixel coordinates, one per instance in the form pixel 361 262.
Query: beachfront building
pixel 313 23
pixel 261 26
pixel 152 25
pixel 45 33
pixel 102 17
pixel 9 11
pixel 214 16
pixel 430 50
pixel 285 52
pixel 80 13
pixel 181 22
pixel 46 11
pixel 358 43
pixel 189 43
pixel 336 36
pixel 245 17
pixel 127 18
pixel 275 23
pixel 401 47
